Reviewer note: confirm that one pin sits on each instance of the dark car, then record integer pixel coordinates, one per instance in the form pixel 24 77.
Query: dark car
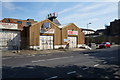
pixel 105 45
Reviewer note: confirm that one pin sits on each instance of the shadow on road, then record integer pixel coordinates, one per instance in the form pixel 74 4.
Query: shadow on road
pixel 62 72
pixel 111 57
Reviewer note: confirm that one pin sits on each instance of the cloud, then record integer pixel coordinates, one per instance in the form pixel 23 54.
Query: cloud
pixel 0 10
pixel 9 6
pixel 70 9
pixel 44 13
pixel 92 7
pixel 93 19
pixel 86 12
pixel 60 0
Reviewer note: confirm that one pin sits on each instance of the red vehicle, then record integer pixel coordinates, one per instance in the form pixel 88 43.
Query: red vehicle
pixel 105 45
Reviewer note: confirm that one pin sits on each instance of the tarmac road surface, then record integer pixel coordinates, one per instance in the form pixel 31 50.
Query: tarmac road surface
pixel 99 63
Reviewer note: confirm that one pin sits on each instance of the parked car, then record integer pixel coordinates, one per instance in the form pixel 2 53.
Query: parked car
pixel 105 45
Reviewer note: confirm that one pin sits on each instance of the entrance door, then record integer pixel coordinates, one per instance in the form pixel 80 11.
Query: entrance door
pixel 46 42
pixel 72 42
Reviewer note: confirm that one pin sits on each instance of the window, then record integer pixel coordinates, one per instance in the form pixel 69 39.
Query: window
pixel 28 23
pixel 19 22
pixel 46 25
pixel 7 20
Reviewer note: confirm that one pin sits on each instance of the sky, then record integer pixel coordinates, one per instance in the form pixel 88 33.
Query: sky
pixel 81 13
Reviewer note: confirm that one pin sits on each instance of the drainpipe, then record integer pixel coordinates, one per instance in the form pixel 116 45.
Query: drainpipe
pixel 61 37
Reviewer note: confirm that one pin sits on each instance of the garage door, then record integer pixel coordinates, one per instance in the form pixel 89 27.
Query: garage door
pixel 72 42
pixel 46 42
pixel 9 40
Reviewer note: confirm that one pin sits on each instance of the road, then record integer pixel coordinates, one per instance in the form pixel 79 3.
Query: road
pixel 99 63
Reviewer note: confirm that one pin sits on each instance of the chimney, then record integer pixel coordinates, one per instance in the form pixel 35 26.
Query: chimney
pixel 52 16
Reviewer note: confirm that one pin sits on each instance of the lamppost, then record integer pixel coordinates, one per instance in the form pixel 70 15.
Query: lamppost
pixel 87 25
pixel 87 34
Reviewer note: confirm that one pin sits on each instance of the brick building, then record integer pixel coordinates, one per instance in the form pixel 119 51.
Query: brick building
pixel 50 34
pixel 24 23
pixel 114 28
pixel 21 24
pixel 111 33
pixel 9 36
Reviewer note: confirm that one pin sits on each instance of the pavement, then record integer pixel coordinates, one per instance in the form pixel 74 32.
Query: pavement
pixel 8 53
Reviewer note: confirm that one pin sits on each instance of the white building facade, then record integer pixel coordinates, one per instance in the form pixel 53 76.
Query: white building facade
pixel 9 36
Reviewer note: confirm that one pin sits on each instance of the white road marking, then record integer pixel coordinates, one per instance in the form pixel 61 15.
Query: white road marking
pixel 59 58
pixel 38 60
pixel 31 67
pixel 96 65
pixel 29 56
pixel 71 72
pixel 33 55
pixel 52 77
pixel 104 62
pixel 52 59
pixel 85 68
pixel 42 55
pixel 86 54
pixel 48 52
pixel 6 58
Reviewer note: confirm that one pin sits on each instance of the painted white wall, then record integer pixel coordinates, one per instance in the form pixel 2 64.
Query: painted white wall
pixel 9 40
pixel 88 32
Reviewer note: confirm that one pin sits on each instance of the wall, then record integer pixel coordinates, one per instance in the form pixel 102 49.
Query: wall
pixel 34 33
pixel 80 36
pixel 103 38
pixel 59 34
pixel 9 39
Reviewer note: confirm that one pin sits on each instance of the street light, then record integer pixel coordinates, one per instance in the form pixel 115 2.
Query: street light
pixel 88 24
pixel 88 33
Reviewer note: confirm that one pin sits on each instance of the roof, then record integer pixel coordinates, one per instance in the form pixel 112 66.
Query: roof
pixel 43 21
pixel 87 29
pixel 100 30
pixel 21 19
pixel 56 22
pixel 63 25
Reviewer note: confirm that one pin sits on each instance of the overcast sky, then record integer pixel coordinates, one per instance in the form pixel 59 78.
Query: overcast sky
pixel 80 13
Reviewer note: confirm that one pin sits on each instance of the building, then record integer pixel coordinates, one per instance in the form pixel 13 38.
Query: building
pixel 47 35
pixel 44 35
pixel 9 36
pixel 113 31
pixel 100 32
pixel 50 34
pixel 71 34
pixel 88 31
pixel 114 28
pixel 24 23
